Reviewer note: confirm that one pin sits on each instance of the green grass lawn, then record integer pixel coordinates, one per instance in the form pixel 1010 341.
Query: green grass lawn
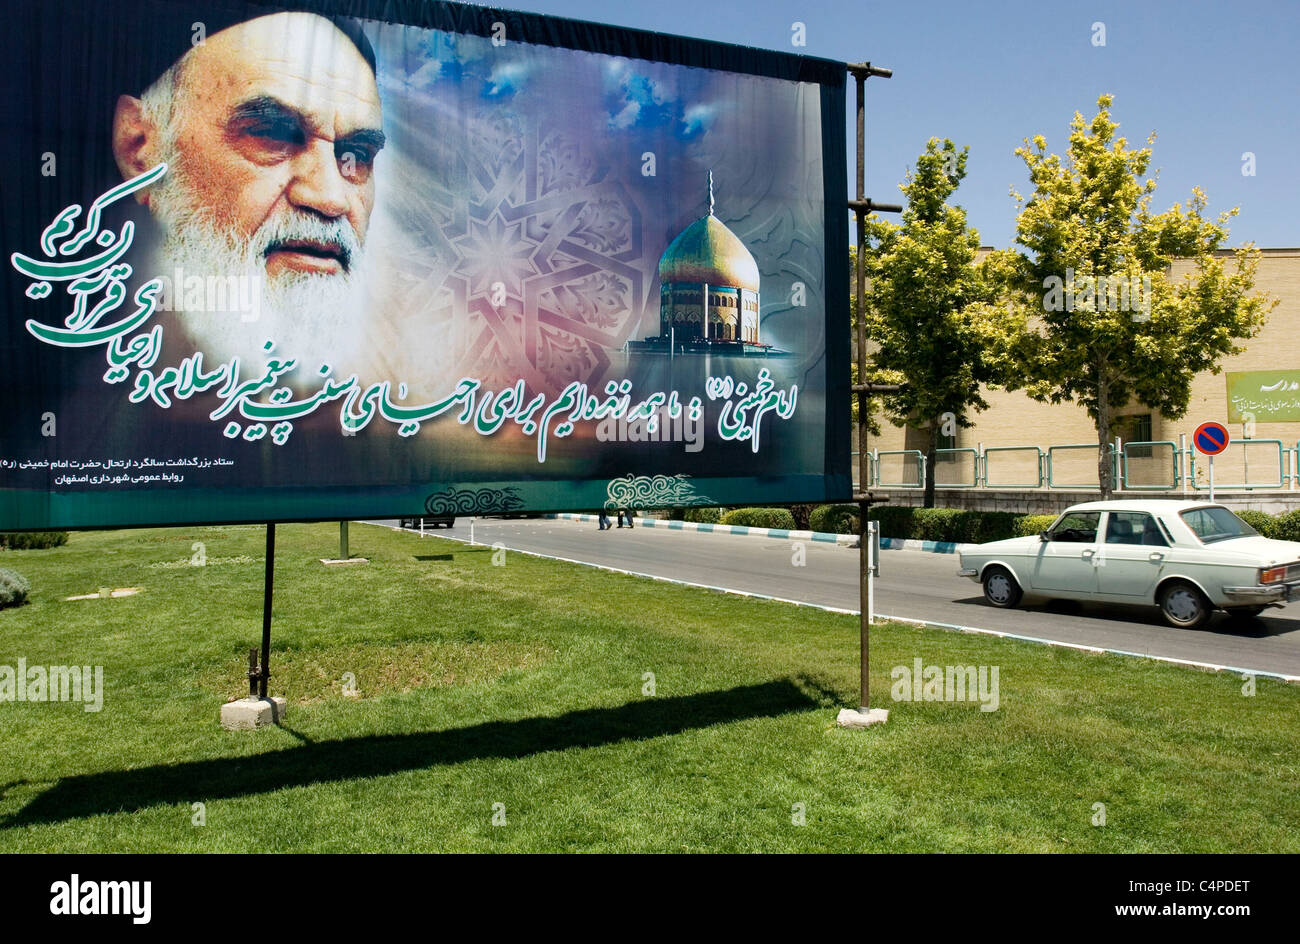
pixel 517 691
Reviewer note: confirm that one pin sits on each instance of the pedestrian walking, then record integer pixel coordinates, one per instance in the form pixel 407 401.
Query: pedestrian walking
pixel 627 514
pixel 603 520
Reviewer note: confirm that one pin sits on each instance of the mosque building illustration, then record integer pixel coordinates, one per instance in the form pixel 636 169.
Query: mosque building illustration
pixel 708 294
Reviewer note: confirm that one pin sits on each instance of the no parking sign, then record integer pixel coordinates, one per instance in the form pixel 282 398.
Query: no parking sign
pixel 1210 439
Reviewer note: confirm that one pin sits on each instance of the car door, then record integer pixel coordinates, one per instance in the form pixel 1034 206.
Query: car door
pixel 1064 565
pixel 1132 556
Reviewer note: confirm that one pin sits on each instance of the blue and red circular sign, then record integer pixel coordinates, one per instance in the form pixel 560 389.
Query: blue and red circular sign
pixel 1210 439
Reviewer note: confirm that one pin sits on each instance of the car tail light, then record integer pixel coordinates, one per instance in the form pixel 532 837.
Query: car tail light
pixel 1272 575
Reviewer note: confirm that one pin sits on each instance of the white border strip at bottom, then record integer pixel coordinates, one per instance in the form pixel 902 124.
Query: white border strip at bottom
pixel 879 617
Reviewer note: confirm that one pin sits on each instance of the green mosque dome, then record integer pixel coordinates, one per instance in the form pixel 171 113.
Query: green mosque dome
pixel 708 285
pixel 707 253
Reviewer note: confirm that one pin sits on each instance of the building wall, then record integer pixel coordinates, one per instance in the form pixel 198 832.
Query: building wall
pixel 1013 419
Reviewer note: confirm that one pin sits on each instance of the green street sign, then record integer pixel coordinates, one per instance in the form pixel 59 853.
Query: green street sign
pixel 1264 396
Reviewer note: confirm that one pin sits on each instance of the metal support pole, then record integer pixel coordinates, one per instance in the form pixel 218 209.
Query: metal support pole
pixel 873 568
pixel 861 206
pixel 864 506
pixel 343 541
pixel 265 673
pixel 1184 468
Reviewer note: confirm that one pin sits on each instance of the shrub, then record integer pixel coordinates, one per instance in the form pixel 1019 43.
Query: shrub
pixel 801 513
pixel 895 521
pixel 1028 525
pixel 1285 527
pixel 13 588
pixel 951 525
pixel 33 540
pixel 833 519
pixel 759 518
pixel 1259 520
pixel 703 515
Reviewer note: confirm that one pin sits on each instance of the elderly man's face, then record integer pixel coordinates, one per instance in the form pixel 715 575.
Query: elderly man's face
pixel 280 119
pixel 270 135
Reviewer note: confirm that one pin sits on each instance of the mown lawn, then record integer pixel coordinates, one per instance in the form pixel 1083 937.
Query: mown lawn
pixel 515 691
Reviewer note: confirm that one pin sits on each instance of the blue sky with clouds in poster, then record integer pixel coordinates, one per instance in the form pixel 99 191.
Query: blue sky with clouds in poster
pixel 1214 80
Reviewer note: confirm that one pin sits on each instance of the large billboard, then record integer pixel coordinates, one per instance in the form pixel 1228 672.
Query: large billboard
pixel 269 262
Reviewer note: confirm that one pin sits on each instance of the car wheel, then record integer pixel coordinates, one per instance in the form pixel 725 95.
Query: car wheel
pixel 1000 588
pixel 1184 606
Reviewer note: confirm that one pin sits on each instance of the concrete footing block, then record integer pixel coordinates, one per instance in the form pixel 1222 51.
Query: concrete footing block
pixel 347 560
pixel 861 717
pixel 247 714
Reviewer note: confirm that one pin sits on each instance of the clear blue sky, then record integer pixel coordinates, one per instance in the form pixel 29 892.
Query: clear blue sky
pixel 1214 80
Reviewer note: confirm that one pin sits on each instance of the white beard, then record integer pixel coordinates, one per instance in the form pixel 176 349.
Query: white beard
pixel 316 319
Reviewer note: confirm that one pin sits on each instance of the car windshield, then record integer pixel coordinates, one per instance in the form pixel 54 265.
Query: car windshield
pixel 1216 523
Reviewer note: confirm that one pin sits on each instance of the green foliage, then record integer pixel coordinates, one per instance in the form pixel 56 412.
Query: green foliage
pixel 1261 521
pixel 13 588
pixel 930 304
pixel 759 518
pixel 1090 234
pixel 873 374
pixel 471 686
pixel 1029 525
pixel 834 519
pixel 1284 527
pixel 702 515
pixel 33 540
pixel 956 525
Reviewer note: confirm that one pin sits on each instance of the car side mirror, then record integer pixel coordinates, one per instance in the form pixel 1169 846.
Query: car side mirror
pixel 1044 536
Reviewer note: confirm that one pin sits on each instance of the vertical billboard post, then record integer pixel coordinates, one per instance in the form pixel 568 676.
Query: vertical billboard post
pixel 861 206
pixel 264 673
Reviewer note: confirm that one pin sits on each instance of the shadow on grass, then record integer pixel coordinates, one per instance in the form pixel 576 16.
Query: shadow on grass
pixel 377 756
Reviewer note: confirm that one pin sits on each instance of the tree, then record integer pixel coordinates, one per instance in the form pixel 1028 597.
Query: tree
pixel 930 310
pixel 874 374
pixel 1103 322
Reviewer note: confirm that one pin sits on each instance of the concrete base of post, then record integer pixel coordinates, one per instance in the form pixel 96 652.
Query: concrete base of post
pixel 861 717
pixel 349 560
pixel 250 713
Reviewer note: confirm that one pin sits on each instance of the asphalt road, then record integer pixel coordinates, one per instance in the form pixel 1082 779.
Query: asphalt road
pixel 913 585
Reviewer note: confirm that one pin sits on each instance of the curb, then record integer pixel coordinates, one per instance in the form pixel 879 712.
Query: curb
pixel 825 537
pixel 844 540
pixel 933 547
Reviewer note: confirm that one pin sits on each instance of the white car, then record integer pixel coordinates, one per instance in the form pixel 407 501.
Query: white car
pixel 1187 557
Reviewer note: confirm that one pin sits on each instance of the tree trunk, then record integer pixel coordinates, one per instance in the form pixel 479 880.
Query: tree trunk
pixel 930 454
pixel 1104 467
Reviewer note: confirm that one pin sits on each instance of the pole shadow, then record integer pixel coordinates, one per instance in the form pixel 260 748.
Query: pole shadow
pixel 376 756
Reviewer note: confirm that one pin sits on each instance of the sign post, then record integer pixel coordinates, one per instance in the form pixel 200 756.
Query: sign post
pixel 1210 439
pixel 864 715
